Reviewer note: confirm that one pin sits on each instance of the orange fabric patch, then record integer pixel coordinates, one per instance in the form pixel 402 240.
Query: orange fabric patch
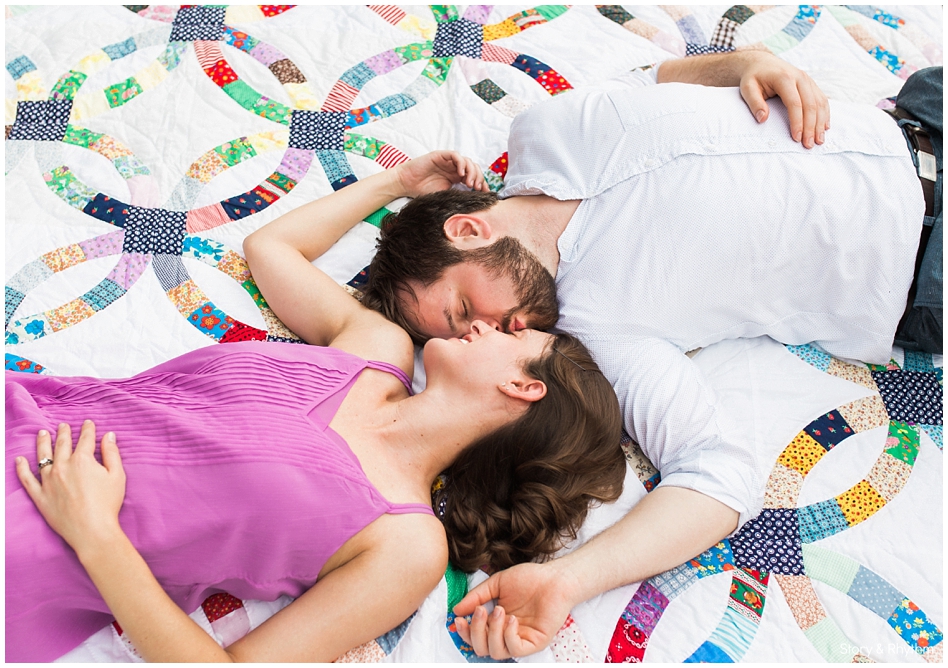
pixel 860 502
pixel 802 454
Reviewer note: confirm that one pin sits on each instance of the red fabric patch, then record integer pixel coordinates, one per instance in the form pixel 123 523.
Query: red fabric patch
pixel 500 165
pixel 628 644
pixel 221 73
pixel 553 82
pixel 273 10
pixel 241 332
pixel 218 605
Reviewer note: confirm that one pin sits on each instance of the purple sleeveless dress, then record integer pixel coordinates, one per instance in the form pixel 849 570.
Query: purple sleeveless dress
pixel 236 483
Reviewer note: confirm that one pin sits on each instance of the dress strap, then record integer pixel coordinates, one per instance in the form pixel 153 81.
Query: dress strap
pixel 406 508
pixel 392 369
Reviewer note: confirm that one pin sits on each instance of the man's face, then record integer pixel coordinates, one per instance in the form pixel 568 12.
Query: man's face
pixel 508 291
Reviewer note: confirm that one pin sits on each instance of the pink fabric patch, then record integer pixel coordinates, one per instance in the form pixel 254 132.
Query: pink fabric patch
pixel 104 245
pixel 144 190
pixel 498 54
pixel 129 269
pixel 206 218
pixel 295 163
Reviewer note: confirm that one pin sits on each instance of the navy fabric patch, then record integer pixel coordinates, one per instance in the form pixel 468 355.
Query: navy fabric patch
pixel 911 396
pixel 243 205
pixel 339 184
pixel 458 38
pixel 318 130
pixel 488 91
pixel 529 65
pixel 154 231
pixel 108 209
pixel 701 49
pixel 198 24
pixel 770 542
pixel 829 430
pixel 358 281
pixel 170 271
pixel 103 294
pixel 283 339
pixel 45 120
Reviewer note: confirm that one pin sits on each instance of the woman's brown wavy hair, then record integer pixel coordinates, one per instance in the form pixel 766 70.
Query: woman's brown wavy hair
pixel 520 493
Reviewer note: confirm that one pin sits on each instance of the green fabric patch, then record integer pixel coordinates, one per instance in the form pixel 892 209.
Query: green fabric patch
pixel 907 448
pixel 376 217
pixel 550 12
pixel 738 13
pixel 272 110
pixel 829 567
pixel 242 94
pixel 368 147
pixel 282 181
pixel 444 13
pixel 68 85
pixel 81 136
pixel 830 641
pixel 129 166
pixel 412 52
pixel 119 93
pixel 236 151
pixel 780 42
pixel 67 187
pixel 457 585
pixel 488 91
pixel 615 13
pixel 254 293
pixel 437 69
pixel 170 58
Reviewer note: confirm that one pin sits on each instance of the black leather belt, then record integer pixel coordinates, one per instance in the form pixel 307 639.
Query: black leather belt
pixel 924 154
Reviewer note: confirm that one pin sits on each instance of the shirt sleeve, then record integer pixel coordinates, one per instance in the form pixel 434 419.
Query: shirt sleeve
pixel 670 410
pixel 637 78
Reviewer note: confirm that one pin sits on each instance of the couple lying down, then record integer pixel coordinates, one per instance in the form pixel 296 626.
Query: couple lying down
pixel 264 469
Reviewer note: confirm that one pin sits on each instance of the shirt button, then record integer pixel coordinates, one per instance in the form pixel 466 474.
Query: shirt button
pixel 772 143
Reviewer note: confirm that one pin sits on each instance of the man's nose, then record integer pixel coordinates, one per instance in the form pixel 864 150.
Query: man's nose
pixel 480 325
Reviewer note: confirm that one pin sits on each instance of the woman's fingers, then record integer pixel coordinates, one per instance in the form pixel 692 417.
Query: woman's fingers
pixel 86 444
pixel 111 459
pixel 478 631
pixel 63 449
pixel 44 447
pixel 495 634
pixel 27 479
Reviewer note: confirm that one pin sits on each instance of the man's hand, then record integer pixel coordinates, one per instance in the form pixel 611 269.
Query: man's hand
pixel 768 76
pixel 533 602
pixel 439 170
pixel 760 75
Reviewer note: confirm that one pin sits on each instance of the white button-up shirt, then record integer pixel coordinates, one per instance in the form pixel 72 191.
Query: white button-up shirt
pixel 697 225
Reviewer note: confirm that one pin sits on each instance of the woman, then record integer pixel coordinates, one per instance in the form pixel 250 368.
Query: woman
pixel 265 469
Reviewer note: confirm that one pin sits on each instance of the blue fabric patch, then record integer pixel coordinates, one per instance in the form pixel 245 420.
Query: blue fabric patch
pixel 674 582
pixel 12 300
pixel 318 130
pixel 915 361
pixel 458 38
pixel 202 249
pixel 820 520
pixel 357 76
pixel 914 627
pixel 709 653
pixel 770 542
pixel 798 28
pixel 108 209
pixel 170 271
pixel 363 116
pixel 21 365
pixel 701 49
pixel 20 66
pixel 246 43
pixel 359 280
pixel 388 641
pixel 245 204
pixel 336 166
pixel 871 591
pixel 935 433
pixel 691 31
pixel 392 104
pixel 44 120
pixel 103 294
pixel 812 356
pixel 714 560
pixel 530 66
pixel 911 396
pixel 120 49
pixel 829 430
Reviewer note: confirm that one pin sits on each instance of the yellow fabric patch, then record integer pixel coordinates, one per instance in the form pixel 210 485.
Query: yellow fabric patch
pixel 269 141
pixel 110 148
pixel 29 87
pixel 187 297
pixel 860 502
pixel 243 14
pixel 500 30
pixel 93 62
pixel 234 266
pixel 65 257
pixel 802 454
pixel 302 96
pixel 9 111
pixel 206 167
pixel 418 26
pixel 151 76
pixel 69 314
pixel 89 106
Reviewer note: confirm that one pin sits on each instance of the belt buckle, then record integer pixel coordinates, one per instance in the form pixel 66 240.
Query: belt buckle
pixel 926 166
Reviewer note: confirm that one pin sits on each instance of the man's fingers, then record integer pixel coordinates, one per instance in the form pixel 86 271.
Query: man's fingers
pixel 481 594
pixel 755 100
pixel 463 628
pixel 86 444
pixel 810 113
pixel 495 634
pixel 515 643
pixel 63 444
pixel 111 459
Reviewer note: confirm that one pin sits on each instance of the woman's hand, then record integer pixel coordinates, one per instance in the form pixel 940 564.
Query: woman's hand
pixel 79 498
pixel 439 170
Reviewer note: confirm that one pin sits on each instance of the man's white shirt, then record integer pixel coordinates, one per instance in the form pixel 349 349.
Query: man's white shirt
pixel 697 225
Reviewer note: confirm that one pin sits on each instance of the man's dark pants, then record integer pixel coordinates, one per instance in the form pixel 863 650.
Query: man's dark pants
pixel 921 327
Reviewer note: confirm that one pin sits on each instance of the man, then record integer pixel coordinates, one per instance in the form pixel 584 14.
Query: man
pixel 670 222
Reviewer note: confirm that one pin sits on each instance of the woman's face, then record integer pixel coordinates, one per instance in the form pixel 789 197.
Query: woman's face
pixel 485 355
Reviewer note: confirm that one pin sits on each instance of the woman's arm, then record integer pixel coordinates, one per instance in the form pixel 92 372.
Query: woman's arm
pixel 80 499
pixel 280 253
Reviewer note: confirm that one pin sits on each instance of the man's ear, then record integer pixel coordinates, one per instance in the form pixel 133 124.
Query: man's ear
pixel 528 389
pixel 467 231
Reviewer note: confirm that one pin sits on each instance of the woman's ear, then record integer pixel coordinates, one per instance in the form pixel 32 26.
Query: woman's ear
pixel 528 389
pixel 468 232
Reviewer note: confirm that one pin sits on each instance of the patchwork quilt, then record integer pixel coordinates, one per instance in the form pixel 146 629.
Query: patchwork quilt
pixel 144 142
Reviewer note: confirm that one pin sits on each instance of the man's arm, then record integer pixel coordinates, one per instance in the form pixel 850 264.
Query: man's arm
pixel 760 75
pixel 665 529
